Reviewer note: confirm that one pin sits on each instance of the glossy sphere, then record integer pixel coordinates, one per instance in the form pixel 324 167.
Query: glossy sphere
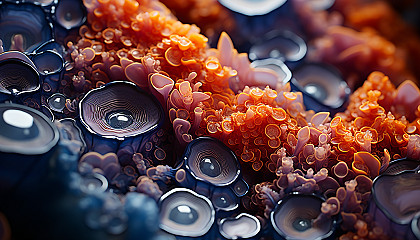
pixel 70 13
pixel 211 161
pixel 25 130
pixel 210 167
pixel 57 102
pixel 119 119
pixel 185 213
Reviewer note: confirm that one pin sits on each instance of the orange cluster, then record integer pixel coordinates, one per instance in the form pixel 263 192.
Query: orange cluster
pixel 132 40
pixel 252 124
pixel 215 92
pixel 368 134
pixel 265 195
pixel 143 43
pixel 126 40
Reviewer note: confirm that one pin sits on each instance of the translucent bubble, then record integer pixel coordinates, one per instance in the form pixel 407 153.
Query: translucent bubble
pixel 301 224
pixel 120 119
pixel 57 102
pixel 183 214
pixel 210 167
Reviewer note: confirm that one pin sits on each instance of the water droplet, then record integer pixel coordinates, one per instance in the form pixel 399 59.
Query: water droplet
pixel 221 202
pixel 183 214
pixel 17 118
pixel 57 102
pixel 240 188
pixel 301 224
pixel 68 16
pixel 317 91
pixel 210 167
pixel 119 119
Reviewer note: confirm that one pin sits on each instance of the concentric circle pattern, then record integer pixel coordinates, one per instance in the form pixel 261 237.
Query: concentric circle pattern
pixel 294 215
pixel 25 21
pixel 17 76
pixel 210 160
pixel 119 110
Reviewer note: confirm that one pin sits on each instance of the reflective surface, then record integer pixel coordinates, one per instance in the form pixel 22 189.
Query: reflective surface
pixel 23 26
pixel 252 8
pixel 122 148
pixel 283 45
pixel 396 196
pixel 70 13
pixel 185 213
pixel 210 167
pixel 293 218
pixel 112 111
pixel 17 77
pixel 25 130
pixel 326 86
pixel 211 161
pixel 48 62
pixel 57 102
pixel 242 226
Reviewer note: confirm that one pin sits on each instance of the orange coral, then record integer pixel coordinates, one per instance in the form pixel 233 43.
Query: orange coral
pixel 252 124
pixel 215 92
pixel 369 125
pixel 126 40
pixel 145 44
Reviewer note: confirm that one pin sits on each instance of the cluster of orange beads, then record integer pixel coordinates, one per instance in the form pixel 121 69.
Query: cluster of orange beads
pixel 145 44
pixel 252 124
pixel 351 149
pixel 376 126
pixel 126 40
